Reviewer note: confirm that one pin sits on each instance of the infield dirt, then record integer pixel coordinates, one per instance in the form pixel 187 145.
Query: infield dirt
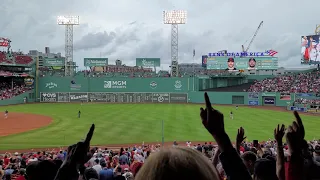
pixel 21 122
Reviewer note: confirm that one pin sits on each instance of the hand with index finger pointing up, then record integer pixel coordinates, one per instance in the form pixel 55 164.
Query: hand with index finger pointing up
pixel 79 153
pixel 212 119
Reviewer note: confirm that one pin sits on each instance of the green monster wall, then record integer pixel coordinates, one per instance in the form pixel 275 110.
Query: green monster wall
pixel 130 89
pixel 86 84
pixel 243 98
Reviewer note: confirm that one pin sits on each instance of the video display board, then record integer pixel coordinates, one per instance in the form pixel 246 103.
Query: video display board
pixel 237 63
pixel 310 49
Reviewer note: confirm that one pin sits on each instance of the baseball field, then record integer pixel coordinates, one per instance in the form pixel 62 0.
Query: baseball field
pixel 46 125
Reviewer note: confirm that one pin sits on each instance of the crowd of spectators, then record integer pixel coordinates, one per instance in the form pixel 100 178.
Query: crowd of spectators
pixel 132 72
pixel 14 58
pixel 121 72
pixel 293 83
pixel 307 101
pixel 9 90
pixel 296 159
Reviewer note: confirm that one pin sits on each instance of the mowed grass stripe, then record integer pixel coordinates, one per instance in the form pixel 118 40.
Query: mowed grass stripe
pixel 134 123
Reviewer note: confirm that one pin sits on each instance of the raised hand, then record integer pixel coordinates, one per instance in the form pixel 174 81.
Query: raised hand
pixel 294 140
pixel 240 138
pixel 279 133
pixel 278 136
pixel 79 154
pixel 240 135
pixel 212 119
pixel 299 125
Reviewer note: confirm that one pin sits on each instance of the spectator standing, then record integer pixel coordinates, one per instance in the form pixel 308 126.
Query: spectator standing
pixel 106 173
pixel 317 153
pixel 97 166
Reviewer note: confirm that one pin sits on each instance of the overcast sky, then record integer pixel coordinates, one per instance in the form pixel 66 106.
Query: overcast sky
pixel 125 29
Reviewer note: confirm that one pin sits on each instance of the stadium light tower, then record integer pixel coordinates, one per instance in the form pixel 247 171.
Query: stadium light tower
pixel 68 22
pixel 174 18
pixel 317 30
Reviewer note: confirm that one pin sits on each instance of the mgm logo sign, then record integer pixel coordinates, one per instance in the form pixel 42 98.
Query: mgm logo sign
pixel 115 84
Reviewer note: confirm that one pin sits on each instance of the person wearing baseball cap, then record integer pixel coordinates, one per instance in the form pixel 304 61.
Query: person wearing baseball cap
pixel 230 64
pixel 252 63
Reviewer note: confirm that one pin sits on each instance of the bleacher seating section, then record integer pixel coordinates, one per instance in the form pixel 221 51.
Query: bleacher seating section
pixel 23 59
pixel 18 59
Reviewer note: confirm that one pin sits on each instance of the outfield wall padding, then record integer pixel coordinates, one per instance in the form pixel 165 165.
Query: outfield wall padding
pixel 236 98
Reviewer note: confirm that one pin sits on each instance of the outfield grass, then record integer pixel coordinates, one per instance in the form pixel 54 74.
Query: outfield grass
pixel 134 123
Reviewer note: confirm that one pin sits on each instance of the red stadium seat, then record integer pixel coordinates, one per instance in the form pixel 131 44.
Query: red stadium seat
pixel 23 59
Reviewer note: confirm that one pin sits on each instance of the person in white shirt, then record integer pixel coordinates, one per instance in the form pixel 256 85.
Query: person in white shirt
pixel 313 52
pixel 97 166
pixel 188 143
pixel 138 157
pixel 33 159
pixel 91 161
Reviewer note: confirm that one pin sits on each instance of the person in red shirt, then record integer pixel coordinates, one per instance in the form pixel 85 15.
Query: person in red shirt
pixel 6 160
pixel 20 176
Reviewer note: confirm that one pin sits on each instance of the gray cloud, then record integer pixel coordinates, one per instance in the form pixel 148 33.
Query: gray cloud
pixel 126 30
pixel 94 40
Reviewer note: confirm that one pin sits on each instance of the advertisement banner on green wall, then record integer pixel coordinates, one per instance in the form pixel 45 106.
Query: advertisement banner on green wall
pixel 96 62
pixel 53 62
pixel 114 97
pixel 148 62
pixel 253 95
pixel 268 94
pixel 285 96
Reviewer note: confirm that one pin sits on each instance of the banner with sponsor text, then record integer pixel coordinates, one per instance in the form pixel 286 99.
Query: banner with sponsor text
pixel 95 62
pixel 300 109
pixel 269 100
pixel 253 102
pixel 285 96
pixel 54 62
pixel 148 62
pixel 253 95
pixel 115 97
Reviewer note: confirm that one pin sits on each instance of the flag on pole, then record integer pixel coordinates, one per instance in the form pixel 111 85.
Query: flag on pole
pixel 272 52
pixel 194 52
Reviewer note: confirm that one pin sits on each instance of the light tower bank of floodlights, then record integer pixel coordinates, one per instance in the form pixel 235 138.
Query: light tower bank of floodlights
pixel 68 22
pixel 317 30
pixel 174 18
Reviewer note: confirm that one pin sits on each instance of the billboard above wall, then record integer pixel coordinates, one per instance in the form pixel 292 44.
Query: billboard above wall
pixel 53 62
pixel 310 49
pixel 237 63
pixel 148 62
pixel 95 62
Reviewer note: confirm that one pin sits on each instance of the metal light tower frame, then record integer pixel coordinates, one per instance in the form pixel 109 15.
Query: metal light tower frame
pixel 174 17
pixel 68 22
pixel 317 30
